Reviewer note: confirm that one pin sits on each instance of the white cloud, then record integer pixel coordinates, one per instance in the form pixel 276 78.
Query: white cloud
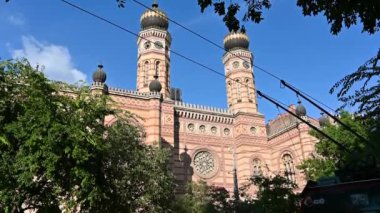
pixel 55 59
pixel 16 19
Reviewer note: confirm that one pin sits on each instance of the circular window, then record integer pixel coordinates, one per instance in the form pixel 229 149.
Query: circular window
pixel 227 131
pixel 205 165
pixel 213 130
pixel 190 127
pixel 253 130
pixel 202 128
pixel 158 45
pixel 235 64
pixel 147 45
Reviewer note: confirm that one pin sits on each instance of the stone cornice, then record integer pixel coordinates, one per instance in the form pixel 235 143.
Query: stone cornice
pixel 198 112
pixel 156 33
pixel 239 53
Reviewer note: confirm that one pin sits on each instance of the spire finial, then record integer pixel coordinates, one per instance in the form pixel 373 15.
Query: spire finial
pixel 155 4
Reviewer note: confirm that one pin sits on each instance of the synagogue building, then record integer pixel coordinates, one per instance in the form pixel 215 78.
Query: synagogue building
pixel 208 143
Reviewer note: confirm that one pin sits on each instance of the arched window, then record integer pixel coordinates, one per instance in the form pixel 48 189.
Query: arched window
pixel 229 90
pixel 157 68
pixel 248 86
pixel 256 167
pixel 289 172
pixel 238 86
pixel 146 73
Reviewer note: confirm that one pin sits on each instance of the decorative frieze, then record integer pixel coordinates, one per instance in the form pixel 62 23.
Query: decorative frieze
pixel 197 112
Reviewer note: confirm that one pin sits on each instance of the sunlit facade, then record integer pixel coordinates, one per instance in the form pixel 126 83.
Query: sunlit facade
pixel 203 139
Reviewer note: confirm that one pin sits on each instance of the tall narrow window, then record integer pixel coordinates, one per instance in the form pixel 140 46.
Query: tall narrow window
pixel 256 167
pixel 229 93
pixel 238 86
pixel 167 76
pixel 146 73
pixel 287 161
pixel 157 68
pixel 248 86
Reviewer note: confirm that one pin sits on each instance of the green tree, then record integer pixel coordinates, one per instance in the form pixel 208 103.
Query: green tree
pixel 203 198
pixel 275 194
pixel 329 158
pixel 55 150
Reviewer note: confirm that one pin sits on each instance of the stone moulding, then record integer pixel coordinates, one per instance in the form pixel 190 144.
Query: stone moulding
pixel 205 113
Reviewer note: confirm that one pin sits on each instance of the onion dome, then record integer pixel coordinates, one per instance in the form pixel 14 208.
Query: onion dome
pixel 324 120
pixel 99 75
pixel 300 109
pixel 155 85
pixel 236 40
pixel 154 17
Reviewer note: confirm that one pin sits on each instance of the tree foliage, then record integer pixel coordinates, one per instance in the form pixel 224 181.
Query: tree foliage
pixel 337 13
pixel 252 13
pixel 55 150
pixel 347 13
pixel 275 194
pixel 329 158
pixel 203 198
pixel 367 96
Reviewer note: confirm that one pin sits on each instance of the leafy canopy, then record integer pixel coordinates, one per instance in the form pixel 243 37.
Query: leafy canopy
pixel 274 194
pixel 337 13
pixel 328 157
pixel 203 198
pixel 55 150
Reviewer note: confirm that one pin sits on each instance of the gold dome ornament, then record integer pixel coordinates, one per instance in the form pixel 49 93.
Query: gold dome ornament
pixel 154 18
pixel 236 40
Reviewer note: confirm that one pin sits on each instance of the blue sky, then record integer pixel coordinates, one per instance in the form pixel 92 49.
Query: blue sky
pixel 298 49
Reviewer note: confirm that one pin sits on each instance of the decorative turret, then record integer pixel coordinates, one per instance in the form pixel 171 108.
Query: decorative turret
pixel 99 78
pixel 324 120
pixel 154 18
pixel 99 75
pixel 155 85
pixel 240 82
pixel 300 109
pixel 153 56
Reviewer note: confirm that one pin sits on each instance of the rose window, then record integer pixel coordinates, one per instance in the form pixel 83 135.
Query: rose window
pixel 204 164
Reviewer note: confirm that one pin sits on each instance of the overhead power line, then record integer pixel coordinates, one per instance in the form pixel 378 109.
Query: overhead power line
pixel 278 104
pixel 222 48
pixel 287 85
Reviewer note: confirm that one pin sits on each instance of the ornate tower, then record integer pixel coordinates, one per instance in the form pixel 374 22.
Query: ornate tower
pixel 153 51
pixel 240 82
